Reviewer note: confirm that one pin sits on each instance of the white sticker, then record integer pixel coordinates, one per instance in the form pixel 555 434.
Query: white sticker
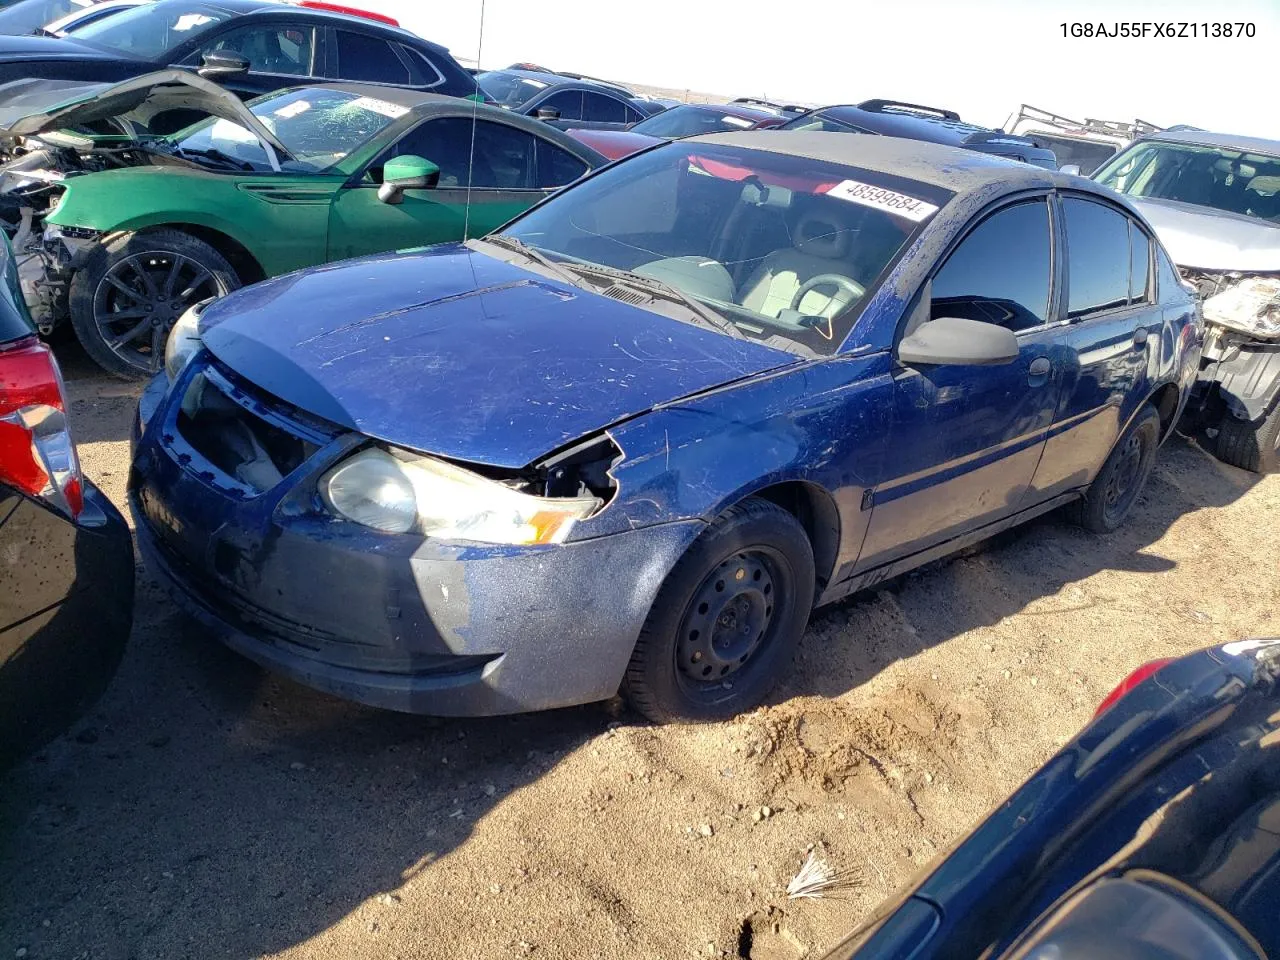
pixel 899 204
pixel 294 109
pixel 736 122
pixel 189 21
pixel 374 105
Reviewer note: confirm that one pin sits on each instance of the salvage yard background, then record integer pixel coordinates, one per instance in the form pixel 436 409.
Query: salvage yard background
pixel 208 809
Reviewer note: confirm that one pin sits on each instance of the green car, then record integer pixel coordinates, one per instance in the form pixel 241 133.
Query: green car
pixel 137 228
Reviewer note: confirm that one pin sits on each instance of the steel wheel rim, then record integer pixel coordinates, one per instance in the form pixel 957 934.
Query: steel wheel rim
pixel 730 619
pixel 141 297
pixel 1122 485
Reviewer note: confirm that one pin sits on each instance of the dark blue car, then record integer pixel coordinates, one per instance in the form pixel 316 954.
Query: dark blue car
pixel 631 439
pixel 1153 835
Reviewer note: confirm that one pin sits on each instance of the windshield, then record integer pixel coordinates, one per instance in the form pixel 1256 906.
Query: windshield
pixel 509 89
pixel 689 121
pixel 151 30
pixel 319 127
pixel 820 122
pixel 1234 181
pixel 784 248
pixel 29 16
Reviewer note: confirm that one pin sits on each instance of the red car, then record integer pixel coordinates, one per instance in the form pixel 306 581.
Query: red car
pixel 685 120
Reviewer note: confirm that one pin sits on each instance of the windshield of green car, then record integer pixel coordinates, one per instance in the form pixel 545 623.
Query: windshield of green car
pixel 768 246
pixel 148 32
pixel 1234 181
pixel 318 126
pixel 510 89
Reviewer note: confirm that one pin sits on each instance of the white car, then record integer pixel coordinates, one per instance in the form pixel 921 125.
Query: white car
pixel 89 11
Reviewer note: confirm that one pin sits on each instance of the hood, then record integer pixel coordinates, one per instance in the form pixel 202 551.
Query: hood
pixel 50 48
pixel 1211 239
pixel 31 107
pixel 452 352
pixel 614 144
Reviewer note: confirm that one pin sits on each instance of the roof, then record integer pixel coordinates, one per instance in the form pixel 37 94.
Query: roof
pixel 267 7
pixel 901 123
pixel 951 168
pixel 1228 140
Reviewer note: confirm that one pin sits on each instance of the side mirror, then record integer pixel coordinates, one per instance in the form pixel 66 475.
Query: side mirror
pixel 954 341
pixel 406 173
pixel 222 65
pixel 547 113
pixel 1071 168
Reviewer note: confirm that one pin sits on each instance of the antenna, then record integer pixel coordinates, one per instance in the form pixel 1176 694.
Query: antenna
pixel 475 109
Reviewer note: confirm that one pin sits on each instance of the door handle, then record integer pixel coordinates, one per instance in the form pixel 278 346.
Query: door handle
pixel 1040 367
pixel 1140 337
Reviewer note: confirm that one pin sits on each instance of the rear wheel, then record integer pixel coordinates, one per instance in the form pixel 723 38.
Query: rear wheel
pixel 1115 489
pixel 727 620
pixel 1251 445
pixel 131 291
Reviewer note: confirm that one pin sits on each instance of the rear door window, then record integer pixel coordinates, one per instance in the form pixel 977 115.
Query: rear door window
pixel 1001 272
pixel 557 166
pixel 369 59
pixel 425 72
pixel 1098 257
pixel 1139 263
pixel 601 108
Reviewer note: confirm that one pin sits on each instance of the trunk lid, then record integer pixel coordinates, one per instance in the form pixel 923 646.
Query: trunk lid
pixel 452 352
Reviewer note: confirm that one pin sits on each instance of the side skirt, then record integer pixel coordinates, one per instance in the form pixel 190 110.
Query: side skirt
pixel 869 578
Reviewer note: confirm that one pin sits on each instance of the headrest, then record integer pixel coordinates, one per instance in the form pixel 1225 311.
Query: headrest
pixel 819 235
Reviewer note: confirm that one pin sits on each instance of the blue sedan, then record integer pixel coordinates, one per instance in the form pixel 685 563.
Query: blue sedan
pixel 633 438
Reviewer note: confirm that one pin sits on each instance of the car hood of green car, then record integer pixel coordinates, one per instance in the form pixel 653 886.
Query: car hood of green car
pixel 35 107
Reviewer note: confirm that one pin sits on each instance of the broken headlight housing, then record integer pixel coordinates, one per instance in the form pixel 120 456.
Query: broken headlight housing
pixel 401 492
pixel 184 341
pixel 1250 306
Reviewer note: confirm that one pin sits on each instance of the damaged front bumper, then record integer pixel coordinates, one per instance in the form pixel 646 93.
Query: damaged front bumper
pixel 397 621
pixel 1240 361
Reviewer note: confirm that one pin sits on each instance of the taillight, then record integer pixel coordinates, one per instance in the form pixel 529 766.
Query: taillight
pixel 349 11
pixel 1129 682
pixel 36 452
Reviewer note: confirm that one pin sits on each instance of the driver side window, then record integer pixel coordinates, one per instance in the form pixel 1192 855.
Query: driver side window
pixel 270 48
pixel 1001 272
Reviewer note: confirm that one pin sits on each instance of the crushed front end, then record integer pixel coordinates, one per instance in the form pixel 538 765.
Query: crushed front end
pixel 1239 382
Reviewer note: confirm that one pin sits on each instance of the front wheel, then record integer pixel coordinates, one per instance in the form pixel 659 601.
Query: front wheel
pixel 1251 445
pixel 131 291
pixel 727 620
pixel 1115 489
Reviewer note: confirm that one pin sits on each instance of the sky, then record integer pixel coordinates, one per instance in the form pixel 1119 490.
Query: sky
pixel 981 58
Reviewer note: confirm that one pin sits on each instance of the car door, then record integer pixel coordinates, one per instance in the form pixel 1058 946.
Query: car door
pixel 567 103
pixel 965 440
pixel 365 58
pixel 1111 317
pixel 281 53
pixel 480 188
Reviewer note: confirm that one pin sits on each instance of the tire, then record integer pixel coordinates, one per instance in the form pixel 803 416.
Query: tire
pixel 1115 489
pixel 126 296
pixel 727 620
pixel 1251 445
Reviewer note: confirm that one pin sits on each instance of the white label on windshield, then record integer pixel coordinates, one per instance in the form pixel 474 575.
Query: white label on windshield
pixel 736 122
pixel 293 109
pixel 189 21
pixel 899 204
pixel 373 104
pixel 228 131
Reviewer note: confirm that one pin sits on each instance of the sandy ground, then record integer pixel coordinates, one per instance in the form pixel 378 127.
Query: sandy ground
pixel 208 809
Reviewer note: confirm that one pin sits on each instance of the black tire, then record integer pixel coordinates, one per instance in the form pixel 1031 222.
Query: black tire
pixel 745 587
pixel 126 296
pixel 1118 484
pixel 1251 445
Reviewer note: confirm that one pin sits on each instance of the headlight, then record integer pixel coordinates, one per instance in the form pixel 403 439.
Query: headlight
pixel 399 492
pixel 1250 306
pixel 183 342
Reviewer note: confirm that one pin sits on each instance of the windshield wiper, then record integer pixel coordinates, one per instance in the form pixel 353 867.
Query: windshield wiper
pixel 212 153
pixel 533 253
pixel 664 289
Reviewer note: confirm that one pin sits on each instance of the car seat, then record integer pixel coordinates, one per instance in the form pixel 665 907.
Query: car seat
pixel 822 247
